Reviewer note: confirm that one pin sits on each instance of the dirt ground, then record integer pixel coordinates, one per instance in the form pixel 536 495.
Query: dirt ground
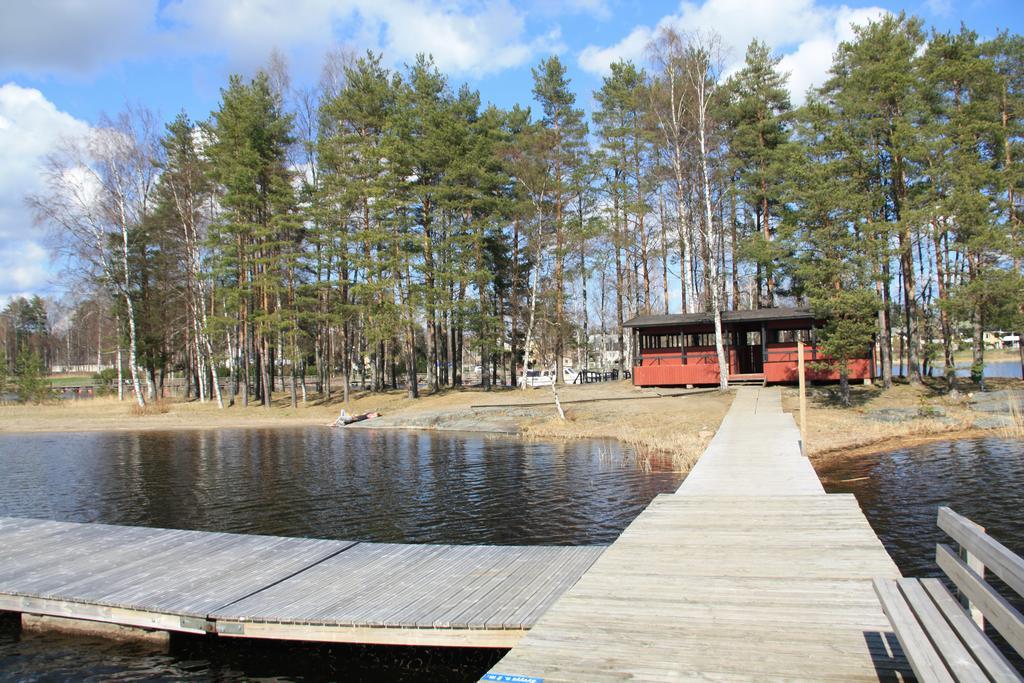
pixel 673 422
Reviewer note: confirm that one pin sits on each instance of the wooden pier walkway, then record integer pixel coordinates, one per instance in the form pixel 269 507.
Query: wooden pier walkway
pixel 287 588
pixel 748 572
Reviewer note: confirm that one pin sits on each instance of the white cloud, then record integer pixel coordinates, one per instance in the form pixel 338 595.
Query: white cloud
pixel 31 128
pixel 598 60
pixel 805 32
pixel 70 36
pixel 486 41
pixel 464 38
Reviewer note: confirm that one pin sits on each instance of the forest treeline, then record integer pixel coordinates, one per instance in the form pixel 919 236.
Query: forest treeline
pixel 386 220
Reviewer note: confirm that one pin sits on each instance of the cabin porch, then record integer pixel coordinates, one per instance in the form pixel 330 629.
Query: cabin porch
pixel 760 348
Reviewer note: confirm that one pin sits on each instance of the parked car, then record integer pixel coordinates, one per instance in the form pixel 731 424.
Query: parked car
pixel 545 378
pixel 537 378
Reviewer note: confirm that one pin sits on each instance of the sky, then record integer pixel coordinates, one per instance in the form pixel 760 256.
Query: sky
pixel 64 63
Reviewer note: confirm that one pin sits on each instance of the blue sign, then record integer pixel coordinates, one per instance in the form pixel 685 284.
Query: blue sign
pixel 511 678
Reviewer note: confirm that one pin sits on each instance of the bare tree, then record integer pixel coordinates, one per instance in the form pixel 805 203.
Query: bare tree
pixel 97 192
pixel 687 71
pixel 189 194
pixel 669 91
pixel 703 68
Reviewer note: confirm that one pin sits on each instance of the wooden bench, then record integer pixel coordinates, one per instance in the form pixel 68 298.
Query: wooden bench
pixel 944 641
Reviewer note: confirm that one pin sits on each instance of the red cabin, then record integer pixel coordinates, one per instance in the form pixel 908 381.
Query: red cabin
pixel 761 345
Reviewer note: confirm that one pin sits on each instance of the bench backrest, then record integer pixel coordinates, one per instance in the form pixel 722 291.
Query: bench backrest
pixel 966 569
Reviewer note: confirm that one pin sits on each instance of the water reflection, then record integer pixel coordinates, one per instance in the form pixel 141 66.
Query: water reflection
pixel 360 485
pixel 318 482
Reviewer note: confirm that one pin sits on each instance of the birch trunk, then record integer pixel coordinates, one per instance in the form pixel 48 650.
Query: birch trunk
pixel 129 309
pixel 713 235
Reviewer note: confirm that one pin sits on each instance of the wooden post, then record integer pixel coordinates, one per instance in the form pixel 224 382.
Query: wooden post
pixel 803 396
pixel 977 565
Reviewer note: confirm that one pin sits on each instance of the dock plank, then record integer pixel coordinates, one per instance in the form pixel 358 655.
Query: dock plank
pixel 266 586
pixel 401 586
pixel 186 573
pixel 748 572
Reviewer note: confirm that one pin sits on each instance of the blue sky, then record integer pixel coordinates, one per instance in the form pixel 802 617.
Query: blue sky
pixel 63 62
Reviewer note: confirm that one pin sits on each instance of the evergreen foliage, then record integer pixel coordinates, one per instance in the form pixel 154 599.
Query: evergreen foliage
pixel 387 228
pixel 30 378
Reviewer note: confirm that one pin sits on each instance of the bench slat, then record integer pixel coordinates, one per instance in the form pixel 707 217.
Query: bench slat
pixel 983 649
pixel 959 661
pixel 1000 613
pixel 924 660
pixel 996 557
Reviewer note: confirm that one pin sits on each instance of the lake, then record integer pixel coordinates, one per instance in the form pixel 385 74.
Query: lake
pixel 416 487
pixel 901 490
pixel 385 486
pixel 994 369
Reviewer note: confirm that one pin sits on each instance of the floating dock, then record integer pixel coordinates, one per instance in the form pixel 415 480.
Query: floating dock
pixel 287 588
pixel 749 572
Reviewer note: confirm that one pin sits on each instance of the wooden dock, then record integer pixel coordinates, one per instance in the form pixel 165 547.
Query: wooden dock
pixel 289 588
pixel 748 572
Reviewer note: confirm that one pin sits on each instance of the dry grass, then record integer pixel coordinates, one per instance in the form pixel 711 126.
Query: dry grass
pixel 834 429
pixel 670 431
pixel 1016 429
pixel 150 408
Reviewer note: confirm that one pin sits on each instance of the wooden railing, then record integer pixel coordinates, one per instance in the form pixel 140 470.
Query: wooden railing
pixel 592 376
pixel 944 640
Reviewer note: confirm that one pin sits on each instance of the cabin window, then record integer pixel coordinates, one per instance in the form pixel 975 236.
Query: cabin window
pixel 793 336
pixel 650 342
pixel 702 339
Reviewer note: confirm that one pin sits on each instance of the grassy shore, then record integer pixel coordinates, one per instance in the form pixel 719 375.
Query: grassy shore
pixel 837 431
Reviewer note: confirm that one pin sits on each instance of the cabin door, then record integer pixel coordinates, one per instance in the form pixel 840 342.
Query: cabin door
pixel 748 352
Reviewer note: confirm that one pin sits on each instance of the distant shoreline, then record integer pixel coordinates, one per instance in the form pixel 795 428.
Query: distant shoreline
pixel 662 424
pixel 675 426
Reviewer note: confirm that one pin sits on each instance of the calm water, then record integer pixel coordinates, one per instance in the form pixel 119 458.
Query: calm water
pixel 316 482
pixel 999 368
pixel 901 491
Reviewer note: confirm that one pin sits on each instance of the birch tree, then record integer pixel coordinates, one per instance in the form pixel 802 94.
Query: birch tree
pixel 97 191
pixel 703 68
pixel 668 101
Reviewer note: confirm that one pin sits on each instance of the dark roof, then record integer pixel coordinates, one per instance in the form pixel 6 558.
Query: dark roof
pixel 756 315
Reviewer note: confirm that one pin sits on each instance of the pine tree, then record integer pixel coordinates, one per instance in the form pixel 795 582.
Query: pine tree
pixel 756 110
pixel 874 92
pixel 822 236
pixel 254 240
pixel 29 379
pixel 622 102
pixel 1007 54
pixel 565 142
pixel 4 372
pixel 428 119
pixel 963 90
